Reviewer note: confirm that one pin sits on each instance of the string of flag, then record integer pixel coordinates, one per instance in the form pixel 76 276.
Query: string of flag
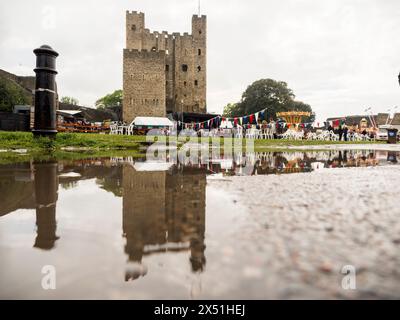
pixel 217 120
pixel 235 121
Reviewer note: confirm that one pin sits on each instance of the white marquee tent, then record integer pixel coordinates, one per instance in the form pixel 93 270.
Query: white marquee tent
pixel 152 122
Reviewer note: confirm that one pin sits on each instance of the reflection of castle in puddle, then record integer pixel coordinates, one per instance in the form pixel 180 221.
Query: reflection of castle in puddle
pixel 163 203
pixel 163 211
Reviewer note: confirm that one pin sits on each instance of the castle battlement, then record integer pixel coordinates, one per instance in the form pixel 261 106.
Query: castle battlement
pixel 165 34
pixel 138 13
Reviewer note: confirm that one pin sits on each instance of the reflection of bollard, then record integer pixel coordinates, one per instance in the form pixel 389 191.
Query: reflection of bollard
pixel 46 187
pixel 45 93
pixel 392 157
pixel 392 135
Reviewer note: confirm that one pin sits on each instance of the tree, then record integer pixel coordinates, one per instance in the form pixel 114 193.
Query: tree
pixel 275 96
pixel 301 106
pixel 11 94
pixel 69 100
pixel 231 110
pixel 110 100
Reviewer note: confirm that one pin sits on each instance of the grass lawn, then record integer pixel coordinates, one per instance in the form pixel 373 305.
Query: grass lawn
pixel 101 142
pixel 25 140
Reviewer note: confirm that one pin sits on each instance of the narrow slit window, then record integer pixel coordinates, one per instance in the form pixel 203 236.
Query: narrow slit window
pixel 198 68
pixel 184 68
pixel 199 52
pixel 196 83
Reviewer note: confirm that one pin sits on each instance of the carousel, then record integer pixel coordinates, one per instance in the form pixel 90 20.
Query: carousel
pixel 293 117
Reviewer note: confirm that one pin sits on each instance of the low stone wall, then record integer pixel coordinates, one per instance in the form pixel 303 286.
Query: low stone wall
pixel 14 121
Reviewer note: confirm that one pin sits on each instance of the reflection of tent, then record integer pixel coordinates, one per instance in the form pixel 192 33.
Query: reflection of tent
pixel 225 163
pixel 154 122
pixel 152 166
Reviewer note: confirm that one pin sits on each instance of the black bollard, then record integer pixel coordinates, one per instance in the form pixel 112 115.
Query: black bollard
pixel 45 92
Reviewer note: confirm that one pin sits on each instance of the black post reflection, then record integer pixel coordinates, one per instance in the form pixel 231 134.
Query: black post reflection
pixel 163 211
pixel 46 191
pixel 392 157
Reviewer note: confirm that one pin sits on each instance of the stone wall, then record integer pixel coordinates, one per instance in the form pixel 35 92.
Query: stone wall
pixel 144 84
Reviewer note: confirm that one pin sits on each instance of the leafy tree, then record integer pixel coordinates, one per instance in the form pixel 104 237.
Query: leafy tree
pixel 11 94
pixel 110 100
pixel 266 93
pixel 70 100
pixel 301 106
pixel 230 110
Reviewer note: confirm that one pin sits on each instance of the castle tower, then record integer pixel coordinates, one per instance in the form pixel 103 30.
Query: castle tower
pixel 199 33
pixel 163 72
pixel 134 30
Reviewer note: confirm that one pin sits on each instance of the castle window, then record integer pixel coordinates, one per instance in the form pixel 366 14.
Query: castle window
pixel 184 68
pixel 184 83
pixel 196 82
pixel 198 68
pixel 133 27
pixel 153 49
pixel 199 52
pixel 199 31
pixel 167 67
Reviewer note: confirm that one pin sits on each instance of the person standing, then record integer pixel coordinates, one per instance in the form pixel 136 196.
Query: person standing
pixel 340 132
pixel 345 132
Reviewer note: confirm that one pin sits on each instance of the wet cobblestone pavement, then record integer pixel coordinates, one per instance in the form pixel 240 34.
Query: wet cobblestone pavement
pixel 311 225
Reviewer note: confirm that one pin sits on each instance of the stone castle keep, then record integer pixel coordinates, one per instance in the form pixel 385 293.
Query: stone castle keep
pixel 162 72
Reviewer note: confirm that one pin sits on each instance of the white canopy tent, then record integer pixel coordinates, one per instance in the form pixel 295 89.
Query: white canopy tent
pixel 152 122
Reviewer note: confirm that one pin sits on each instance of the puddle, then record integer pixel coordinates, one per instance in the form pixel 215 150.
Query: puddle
pixel 127 228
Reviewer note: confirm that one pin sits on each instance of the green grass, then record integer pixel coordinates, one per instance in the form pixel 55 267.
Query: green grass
pixel 25 140
pixel 111 145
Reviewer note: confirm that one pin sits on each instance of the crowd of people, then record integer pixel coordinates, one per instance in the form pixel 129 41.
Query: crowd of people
pixel 346 132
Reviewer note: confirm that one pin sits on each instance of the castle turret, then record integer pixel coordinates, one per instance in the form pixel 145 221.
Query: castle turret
pixel 134 29
pixel 199 33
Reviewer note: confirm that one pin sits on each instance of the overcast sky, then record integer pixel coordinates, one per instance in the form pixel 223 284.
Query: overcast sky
pixel 338 56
